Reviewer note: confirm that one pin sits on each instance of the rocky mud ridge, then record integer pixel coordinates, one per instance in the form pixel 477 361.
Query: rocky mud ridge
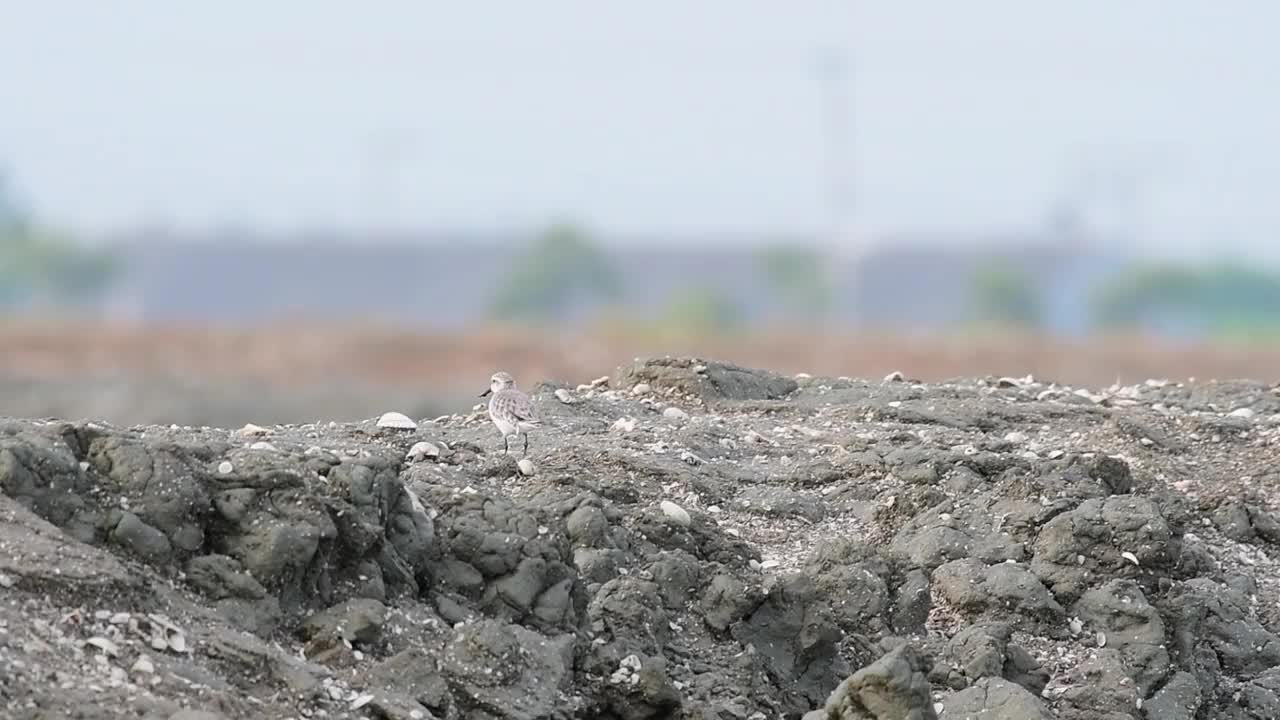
pixel 690 540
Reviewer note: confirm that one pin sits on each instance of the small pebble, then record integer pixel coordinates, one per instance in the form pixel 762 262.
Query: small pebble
pixel 1242 413
pixel 895 376
pixel 641 389
pixel 564 396
pixel 397 420
pixel 251 430
pixel 676 513
pixel 624 424
pixel 143 665
pixel 263 445
pixel 526 467
pixel 7 581
pixel 675 413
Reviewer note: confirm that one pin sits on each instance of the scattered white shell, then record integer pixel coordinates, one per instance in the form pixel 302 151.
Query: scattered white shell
pixel 421 450
pixel 803 376
pixel 700 369
pixel 1055 454
pixel 1130 557
pixel 526 467
pixel 143 665
pixel 600 381
pixel 675 512
pixel 769 564
pixel 1016 437
pixel 251 430
pixel 225 467
pixel 7 581
pixel 361 701
pixel 1075 625
pixel 675 413
pixel 895 376
pixel 263 445
pixel 1102 639
pixel 1244 412
pixel 624 424
pixel 104 645
pixel 564 396
pixel 641 389
pixel 397 420
pixel 84 466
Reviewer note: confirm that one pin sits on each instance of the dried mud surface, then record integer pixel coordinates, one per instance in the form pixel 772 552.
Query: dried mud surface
pixel 691 539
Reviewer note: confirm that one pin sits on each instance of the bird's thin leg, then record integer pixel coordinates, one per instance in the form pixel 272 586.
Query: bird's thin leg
pixel 505 447
pixel 526 445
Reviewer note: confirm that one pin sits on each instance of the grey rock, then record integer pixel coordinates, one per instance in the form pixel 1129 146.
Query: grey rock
pixel 508 670
pixel 414 674
pixel 1099 531
pixel 1120 610
pixel 852 575
pixel 586 526
pixel 630 610
pixel 725 601
pixel 676 573
pixel 794 630
pixel 355 621
pixel 994 698
pixel 981 651
pixel 719 380
pixel 1260 697
pixel 147 542
pixel 996 590
pixel 37 553
pixel 934 546
pixel 1213 627
pixel 1247 522
pixel 1179 699
pixel 892 688
pixel 651 696
pixel 163 486
pixel 911 603
pixel 1099 687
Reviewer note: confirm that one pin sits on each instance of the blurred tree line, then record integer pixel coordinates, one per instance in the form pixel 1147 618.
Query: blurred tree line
pixel 1225 301
pixel 563 275
pixel 40 266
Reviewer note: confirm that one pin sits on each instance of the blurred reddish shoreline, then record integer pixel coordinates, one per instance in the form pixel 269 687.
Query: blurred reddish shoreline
pixel 311 351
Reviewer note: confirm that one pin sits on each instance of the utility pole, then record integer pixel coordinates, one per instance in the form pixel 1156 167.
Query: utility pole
pixel 833 76
pixel 837 188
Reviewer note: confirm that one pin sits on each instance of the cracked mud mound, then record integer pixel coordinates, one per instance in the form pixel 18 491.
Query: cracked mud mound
pixel 693 539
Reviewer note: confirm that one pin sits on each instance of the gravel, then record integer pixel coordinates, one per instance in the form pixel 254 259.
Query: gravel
pixel 779 547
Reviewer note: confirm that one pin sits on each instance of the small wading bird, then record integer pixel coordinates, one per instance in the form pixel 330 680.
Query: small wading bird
pixel 510 410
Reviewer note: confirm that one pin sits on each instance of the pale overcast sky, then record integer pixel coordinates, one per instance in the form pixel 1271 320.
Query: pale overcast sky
pixel 661 116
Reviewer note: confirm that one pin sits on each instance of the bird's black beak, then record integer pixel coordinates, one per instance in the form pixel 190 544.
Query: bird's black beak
pixel 486 392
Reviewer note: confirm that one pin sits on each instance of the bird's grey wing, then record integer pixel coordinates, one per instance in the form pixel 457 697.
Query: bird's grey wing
pixel 524 408
pixel 519 406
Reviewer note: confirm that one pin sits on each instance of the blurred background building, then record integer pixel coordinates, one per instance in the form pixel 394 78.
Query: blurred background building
pixel 231 212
